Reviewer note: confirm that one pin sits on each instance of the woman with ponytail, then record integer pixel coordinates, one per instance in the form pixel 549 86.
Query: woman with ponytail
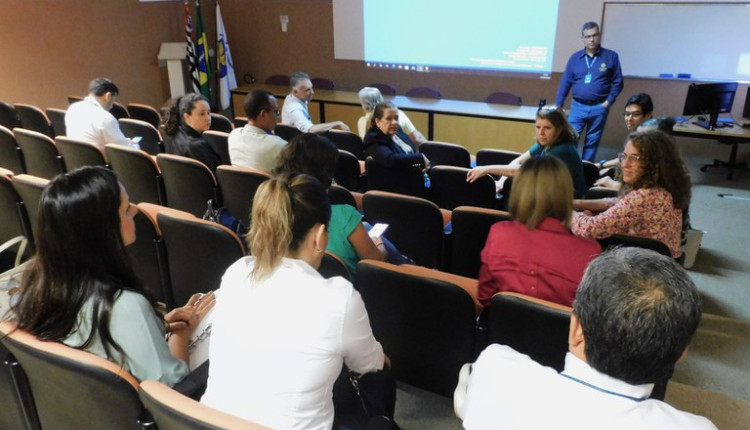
pixel 187 118
pixel 281 331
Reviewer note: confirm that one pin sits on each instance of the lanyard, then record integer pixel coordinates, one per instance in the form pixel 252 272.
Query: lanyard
pixel 588 65
pixel 636 399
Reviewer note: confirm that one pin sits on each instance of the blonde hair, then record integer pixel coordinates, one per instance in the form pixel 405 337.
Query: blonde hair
pixel 542 188
pixel 285 209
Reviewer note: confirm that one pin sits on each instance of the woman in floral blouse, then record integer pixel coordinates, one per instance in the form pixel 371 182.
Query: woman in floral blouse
pixel 656 189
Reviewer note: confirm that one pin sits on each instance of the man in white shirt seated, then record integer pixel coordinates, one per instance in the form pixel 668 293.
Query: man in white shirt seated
pixel 254 145
pixel 633 317
pixel 295 111
pixel 369 97
pixel 90 120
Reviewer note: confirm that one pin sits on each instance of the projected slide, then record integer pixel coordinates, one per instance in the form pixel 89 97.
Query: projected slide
pixel 429 35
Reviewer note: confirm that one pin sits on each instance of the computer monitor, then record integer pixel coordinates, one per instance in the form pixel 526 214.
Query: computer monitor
pixel 710 99
pixel 746 111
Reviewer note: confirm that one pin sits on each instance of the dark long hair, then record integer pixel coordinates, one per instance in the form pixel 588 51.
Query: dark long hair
pixel 181 106
pixel 80 256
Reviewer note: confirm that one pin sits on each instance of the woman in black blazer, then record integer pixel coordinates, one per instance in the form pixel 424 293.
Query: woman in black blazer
pixel 387 143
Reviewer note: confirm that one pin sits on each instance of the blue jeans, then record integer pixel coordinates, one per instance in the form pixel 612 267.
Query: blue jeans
pixel 593 118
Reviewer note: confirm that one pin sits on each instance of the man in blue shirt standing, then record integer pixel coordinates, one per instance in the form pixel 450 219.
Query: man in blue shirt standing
pixel 595 77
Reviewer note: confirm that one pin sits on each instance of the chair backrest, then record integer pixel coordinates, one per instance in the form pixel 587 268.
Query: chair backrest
pixel 74 388
pixel 425 320
pixel 73 99
pixel 219 140
pixel 238 185
pixel 286 132
pixel 640 242
pixel 138 173
pixel 385 89
pixel 503 98
pixel 151 141
pixel 347 141
pixel 449 189
pixel 172 410
pixel 531 326
pixel 30 188
pixel 323 84
pixel 40 155
pixel 15 395
pixel 277 80
pixel 415 225
pixel 590 173
pixel 239 121
pixel 11 157
pixel 221 123
pixel 14 222
pixel 33 118
pixel 144 112
pixel 594 193
pixel 425 93
pixel 9 116
pixel 331 266
pixel 407 180
pixel 119 111
pixel 189 183
pixel 198 253
pixel 57 121
pixel 77 153
pixel 341 196
pixel 470 228
pixel 486 157
pixel 348 172
pixel 149 256
pixel 446 154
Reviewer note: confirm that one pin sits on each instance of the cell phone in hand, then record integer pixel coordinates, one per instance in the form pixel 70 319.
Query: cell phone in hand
pixel 377 230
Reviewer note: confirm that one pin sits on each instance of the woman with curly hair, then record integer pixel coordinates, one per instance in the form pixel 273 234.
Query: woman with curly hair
pixel 655 191
pixel 187 118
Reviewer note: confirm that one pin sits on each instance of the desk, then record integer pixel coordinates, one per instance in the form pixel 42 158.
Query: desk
pixel 475 125
pixel 726 135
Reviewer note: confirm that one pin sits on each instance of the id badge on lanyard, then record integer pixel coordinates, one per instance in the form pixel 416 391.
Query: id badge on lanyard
pixel 587 78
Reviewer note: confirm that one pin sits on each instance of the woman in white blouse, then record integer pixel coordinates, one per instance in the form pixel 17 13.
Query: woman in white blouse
pixel 281 332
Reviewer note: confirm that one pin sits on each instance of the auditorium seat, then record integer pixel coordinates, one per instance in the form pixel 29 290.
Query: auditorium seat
pixel 487 157
pixel 590 173
pixel 425 320
pixel 407 180
pixel 503 98
pixel 15 228
pixel 277 80
pixel 118 111
pixel 239 121
pixel 415 225
pixel 286 132
pixel 73 388
pixel 33 118
pixel 449 189
pixel 151 140
pixel 172 410
pixel 385 89
pixel 323 84
pixel 331 265
pixel 57 121
pixel 15 395
pixel 78 153
pixel 8 116
pixel 625 240
pixel 445 154
pixel 341 196
pixel 144 112
pixel 238 186
pixel 30 188
pixel 149 256
pixel 219 140
pixel 471 226
pixel 189 184
pixel 347 141
pixel 221 123
pixel 425 93
pixel 40 155
pixel 348 172
pixel 138 173
pixel 11 157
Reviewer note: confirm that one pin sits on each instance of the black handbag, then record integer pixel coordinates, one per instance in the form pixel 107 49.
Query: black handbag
pixel 364 401
pixel 222 216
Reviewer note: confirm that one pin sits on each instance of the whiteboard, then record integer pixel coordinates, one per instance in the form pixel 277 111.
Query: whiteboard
pixel 709 41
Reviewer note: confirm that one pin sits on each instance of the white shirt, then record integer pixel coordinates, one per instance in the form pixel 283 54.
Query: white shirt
pixel 252 147
pixel 508 390
pixel 277 346
pixel 88 120
pixel 295 113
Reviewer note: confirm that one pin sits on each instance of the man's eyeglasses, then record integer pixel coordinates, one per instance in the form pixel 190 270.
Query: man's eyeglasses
pixel 634 114
pixel 632 157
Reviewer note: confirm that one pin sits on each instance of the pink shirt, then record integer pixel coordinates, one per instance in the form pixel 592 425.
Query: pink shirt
pixel 646 212
pixel 547 262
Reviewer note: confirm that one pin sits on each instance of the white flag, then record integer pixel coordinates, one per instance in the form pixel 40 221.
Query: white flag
pixel 225 69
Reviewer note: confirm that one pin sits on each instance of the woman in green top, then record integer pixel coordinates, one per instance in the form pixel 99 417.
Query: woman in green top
pixel 317 156
pixel 80 288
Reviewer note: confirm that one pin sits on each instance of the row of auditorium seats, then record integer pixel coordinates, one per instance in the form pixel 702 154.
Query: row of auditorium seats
pixel 48 385
pixel 498 97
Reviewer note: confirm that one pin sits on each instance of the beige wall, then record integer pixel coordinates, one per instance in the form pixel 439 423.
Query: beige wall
pixel 52 48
